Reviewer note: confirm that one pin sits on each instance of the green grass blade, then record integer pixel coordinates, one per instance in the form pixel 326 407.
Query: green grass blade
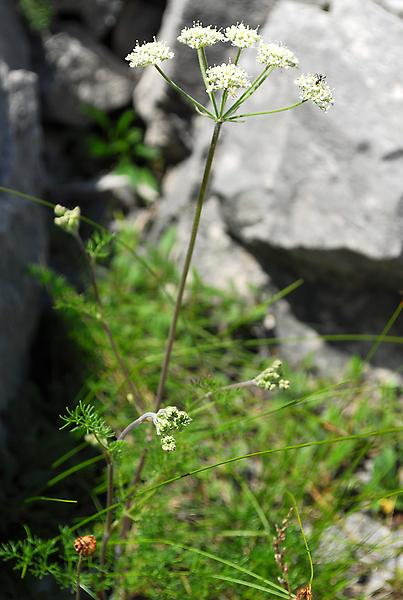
pixel 83 465
pixel 65 457
pixel 255 586
pixel 295 506
pixel 214 557
pixel 47 499
pixel 381 338
pixel 335 440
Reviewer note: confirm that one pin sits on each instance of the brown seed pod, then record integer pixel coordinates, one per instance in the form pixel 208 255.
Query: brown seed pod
pixel 304 593
pixel 85 545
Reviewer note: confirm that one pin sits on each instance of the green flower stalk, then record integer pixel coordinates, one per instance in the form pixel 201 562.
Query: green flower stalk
pixel 227 80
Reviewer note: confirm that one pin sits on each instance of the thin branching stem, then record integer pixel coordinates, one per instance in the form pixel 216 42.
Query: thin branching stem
pixel 268 112
pixel 148 416
pixel 105 325
pixel 182 92
pixel 78 573
pixel 186 266
pixel 225 93
pixel 201 55
pixel 249 91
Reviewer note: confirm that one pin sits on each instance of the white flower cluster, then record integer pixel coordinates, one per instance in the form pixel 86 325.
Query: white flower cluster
pixel 227 77
pixel 313 87
pixel 67 219
pixel 242 36
pixel 150 53
pixel 167 420
pixel 276 55
pixel 199 37
pixel 271 378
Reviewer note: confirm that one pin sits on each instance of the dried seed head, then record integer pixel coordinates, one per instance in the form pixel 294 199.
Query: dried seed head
pixel 85 545
pixel 304 593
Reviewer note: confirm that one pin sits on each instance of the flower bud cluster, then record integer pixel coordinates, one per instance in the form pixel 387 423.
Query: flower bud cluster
pixel 271 378
pixel 313 87
pixel 151 53
pixel 199 37
pixel 167 420
pixel 227 77
pixel 242 36
pixel 276 55
pixel 67 219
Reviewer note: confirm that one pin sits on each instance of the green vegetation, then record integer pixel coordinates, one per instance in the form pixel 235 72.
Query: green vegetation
pixel 120 142
pixel 37 13
pixel 200 522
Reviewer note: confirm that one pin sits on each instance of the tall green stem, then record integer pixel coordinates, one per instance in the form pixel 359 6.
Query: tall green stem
pixel 186 266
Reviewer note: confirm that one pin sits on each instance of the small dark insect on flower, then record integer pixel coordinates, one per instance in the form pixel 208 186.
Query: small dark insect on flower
pixel 304 593
pixel 86 545
pixel 319 78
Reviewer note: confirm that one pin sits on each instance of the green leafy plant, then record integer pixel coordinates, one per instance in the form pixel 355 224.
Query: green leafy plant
pixel 38 13
pixel 121 142
pixel 208 509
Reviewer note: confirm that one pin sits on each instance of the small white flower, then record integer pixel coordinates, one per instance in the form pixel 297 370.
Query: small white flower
pixel 199 37
pixel 67 219
pixel 313 87
pixel 242 36
pixel 170 418
pixel 168 443
pixel 276 55
pixel 270 378
pixel 228 77
pixel 150 53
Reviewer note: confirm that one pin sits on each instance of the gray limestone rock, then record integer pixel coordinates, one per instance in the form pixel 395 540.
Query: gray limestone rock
pixel 79 72
pixel 377 552
pixel 22 224
pixel 14 50
pixel 217 258
pixel 393 6
pixel 314 195
pixel 139 20
pixel 99 15
pixel 321 195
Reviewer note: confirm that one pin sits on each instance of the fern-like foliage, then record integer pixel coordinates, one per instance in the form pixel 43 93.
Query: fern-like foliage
pixel 31 554
pixel 84 417
pixel 38 13
pixel 98 246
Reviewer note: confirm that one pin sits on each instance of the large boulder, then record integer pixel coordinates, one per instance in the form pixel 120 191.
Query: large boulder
pixel 98 15
pixel 139 20
pixel 22 224
pixel 320 196
pixel 78 72
pixel 14 49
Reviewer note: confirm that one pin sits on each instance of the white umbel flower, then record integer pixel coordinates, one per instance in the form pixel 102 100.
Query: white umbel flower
pixel 242 36
pixel 313 87
pixel 67 219
pixel 276 55
pixel 150 53
pixel 199 37
pixel 227 77
pixel 271 378
pixel 168 443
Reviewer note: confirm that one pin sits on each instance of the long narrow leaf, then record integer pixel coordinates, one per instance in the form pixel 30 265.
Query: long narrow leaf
pixel 211 556
pixel 255 586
